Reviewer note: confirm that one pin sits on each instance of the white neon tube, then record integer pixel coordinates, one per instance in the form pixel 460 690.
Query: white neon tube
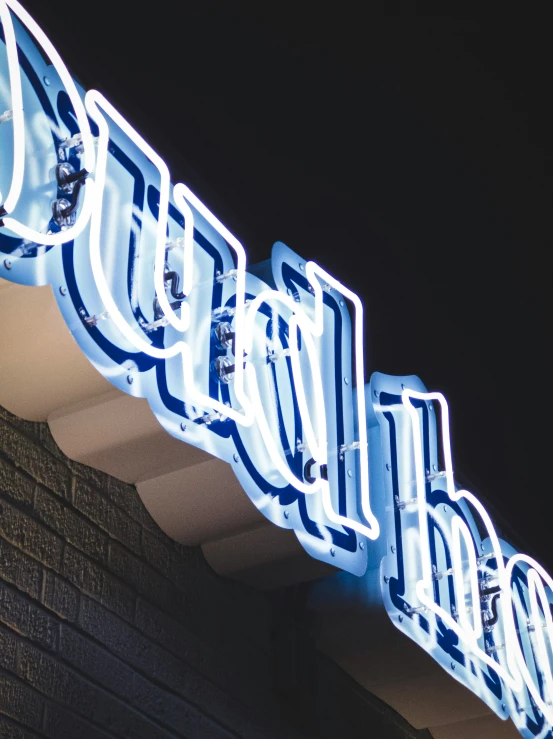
pixel 18 116
pixel 314 274
pixel 461 531
pixel 92 206
pixel 269 441
pixel 511 677
pixel 313 271
pixel 536 575
pixel 182 193
pixel 315 328
pixel 94 102
pixel 14 225
pixel 316 442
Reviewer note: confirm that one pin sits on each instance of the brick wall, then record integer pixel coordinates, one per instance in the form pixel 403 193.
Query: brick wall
pixel 110 629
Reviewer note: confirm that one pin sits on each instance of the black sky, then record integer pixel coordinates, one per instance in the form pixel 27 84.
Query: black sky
pixel 408 151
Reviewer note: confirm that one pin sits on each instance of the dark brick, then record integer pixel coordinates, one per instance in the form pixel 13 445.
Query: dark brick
pixel 74 528
pixel 51 678
pixel 42 628
pixel 98 479
pixel 19 569
pixel 165 559
pixel 15 485
pixel 107 516
pixel 141 577
pixel 47 440
pixel 61 724
pixel 225 622
pixel 59 596
pixel 14 608
pixel 210 730
pixel 8 645
pixel 35 460
pixel 26 533
pixel 90 578
pixel 20 702
pixel 11 730
pixel 30 428
pixel 195 689
pixel 120 638
pixel 171 634
pixel 126 497
pixel 23 616
pixel 132 631
pixel 122 721
pixel 233 676
pixel 167 709
pixel 96 663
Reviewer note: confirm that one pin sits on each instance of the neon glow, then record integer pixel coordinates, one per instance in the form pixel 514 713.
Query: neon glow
pixel 425 585
pixel 9 205
pixel 458 577
pixel 267 375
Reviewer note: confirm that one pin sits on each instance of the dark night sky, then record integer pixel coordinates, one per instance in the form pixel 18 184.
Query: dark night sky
pixel 407 152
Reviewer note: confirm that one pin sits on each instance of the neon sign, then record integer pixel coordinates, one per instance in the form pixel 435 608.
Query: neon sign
pixel 480 608
pixel 263 368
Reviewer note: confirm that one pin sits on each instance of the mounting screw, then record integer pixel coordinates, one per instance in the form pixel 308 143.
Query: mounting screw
pixel 63 290
pixel 301 266
pixel 453 665
pixel 130 379
pixel 503 707
pixel 388 466
pixel 224 366
pixel 66 176
pixel 341 303
pixel 332 552
pixel 386 579
pixel 224 334
pixel 183 426
pixel 400 618
pixel 361 545
pixel 445 509
pixel 393 549
pixel 482 546
pixel 236 457
pixel 350 473
pixel 402 386
pixel 46 81
pixel 286 514
pixel 346 380
pixel 7 264
pixel 434 467
pixel 376 393
pixel 60 209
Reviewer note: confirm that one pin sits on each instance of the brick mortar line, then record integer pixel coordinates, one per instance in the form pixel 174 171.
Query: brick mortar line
pixel 45 701
pixel 14 465
pixel 130 623
pixel 151 678
pixel 156 532
pixel 87 679
pixel 10 721
pixel 63 459
pixel 158 683
pixel 69 504
pixel 32 513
